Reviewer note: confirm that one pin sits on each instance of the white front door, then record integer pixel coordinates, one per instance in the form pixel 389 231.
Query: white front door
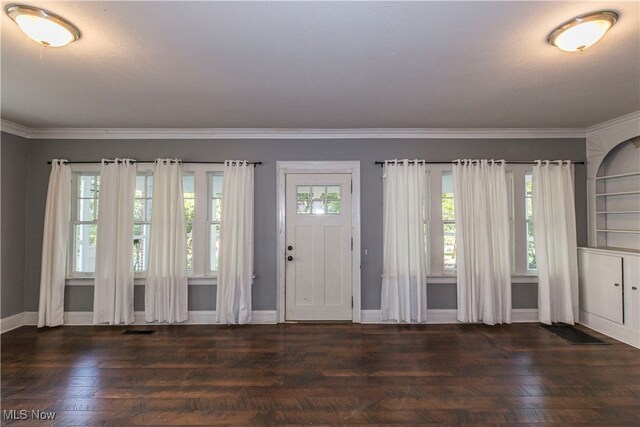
pixel 318 247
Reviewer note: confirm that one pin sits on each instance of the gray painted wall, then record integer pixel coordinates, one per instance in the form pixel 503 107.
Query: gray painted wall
pixel 14 208
pixel 79 298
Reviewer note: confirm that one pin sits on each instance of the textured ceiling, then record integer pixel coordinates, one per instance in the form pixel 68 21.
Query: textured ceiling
pixel 320 65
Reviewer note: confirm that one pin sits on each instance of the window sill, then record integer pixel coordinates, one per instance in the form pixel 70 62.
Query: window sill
pixel 451 278
pixel 447 279
pixel 140 281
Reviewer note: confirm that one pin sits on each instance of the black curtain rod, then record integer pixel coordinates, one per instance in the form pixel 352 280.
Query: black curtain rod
pixel 514 162
pixel 153 161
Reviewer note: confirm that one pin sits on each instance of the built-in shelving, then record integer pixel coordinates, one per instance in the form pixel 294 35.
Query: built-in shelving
pixel 618 212
pixel 616 197
pixel 619 193
pixel 620 175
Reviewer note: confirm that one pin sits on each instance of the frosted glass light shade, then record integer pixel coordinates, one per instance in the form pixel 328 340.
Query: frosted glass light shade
pixel 45 28
pixel 583 31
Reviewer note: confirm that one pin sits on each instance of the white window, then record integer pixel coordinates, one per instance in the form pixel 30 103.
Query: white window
pixel 448 222
pixel 531 248
pixel 213 219
pixel 426 214
pixel 84 223
pixel 511 222
pixel 84 216
pixel 142 221
pixel 189 196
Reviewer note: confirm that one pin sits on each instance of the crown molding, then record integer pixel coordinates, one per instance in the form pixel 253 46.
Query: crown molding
pixel 630 119
pixel 14 129
pixel 267 133
pixel 626 121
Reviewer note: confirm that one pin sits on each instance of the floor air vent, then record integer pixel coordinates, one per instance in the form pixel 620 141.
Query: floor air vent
pixel 572 335
pixel 137 332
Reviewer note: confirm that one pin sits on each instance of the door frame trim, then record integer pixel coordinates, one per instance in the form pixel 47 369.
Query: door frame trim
pixel 346 167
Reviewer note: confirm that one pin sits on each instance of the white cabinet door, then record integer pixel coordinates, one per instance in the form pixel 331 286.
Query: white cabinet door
pixel 601 283
pixel 318 247
pixel 632 291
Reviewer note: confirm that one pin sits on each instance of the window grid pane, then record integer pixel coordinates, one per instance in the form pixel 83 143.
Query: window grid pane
pixel 84 223
pixel 426 215
pixel 531 249
pixel 448 222
pixel 213 219
pixel 318 199
pixel 188 194
pixel 142 222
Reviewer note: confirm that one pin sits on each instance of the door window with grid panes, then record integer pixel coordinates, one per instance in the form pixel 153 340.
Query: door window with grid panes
pixel 318 199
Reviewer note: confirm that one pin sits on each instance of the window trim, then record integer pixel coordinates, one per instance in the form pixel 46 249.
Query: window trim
pixel 88 170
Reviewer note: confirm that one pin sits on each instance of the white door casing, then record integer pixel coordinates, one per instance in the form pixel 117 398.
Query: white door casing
pixel 318 247
pixel 325 167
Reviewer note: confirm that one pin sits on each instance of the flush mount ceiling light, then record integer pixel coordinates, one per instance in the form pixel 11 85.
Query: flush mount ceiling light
pixel 582 31
pixel 45 28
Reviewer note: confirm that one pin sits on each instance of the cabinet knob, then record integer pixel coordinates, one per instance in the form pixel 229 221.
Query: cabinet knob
pixel 635 288
pixel 616 284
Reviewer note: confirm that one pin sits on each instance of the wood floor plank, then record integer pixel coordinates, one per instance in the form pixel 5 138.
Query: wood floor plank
pixel 301 374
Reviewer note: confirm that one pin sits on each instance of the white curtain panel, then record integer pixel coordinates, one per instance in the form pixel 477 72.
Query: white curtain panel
pixel 482 241
pixel 404 284
pixel 554 223
pixel 235 271
pixel 113 284
pixel 54 245
pixel 166 284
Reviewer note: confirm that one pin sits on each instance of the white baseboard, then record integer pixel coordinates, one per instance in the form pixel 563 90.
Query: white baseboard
pixel 524 315
pixel 12 322
pixel 30 318
pixel 609 328
pixel 266 317
pixel 443 316
pixel 84 318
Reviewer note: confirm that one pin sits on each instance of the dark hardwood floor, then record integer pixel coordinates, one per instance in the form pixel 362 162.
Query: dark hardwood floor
pixel 317 374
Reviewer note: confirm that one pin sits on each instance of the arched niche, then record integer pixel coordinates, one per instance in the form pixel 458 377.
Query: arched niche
pixel 606 140
pixel 617 197
pixel 621 159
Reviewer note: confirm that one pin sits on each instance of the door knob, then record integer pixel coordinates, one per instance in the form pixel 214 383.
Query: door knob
pixel 290 247
pixel 290 258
